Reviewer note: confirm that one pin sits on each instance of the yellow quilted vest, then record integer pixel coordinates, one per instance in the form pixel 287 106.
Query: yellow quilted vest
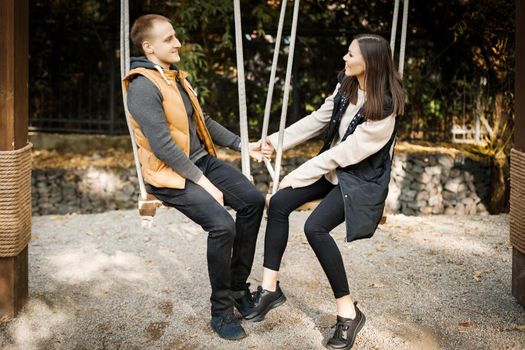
pixel 155 171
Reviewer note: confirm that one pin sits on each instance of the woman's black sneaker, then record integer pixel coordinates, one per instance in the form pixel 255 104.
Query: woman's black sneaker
pixel 346 330
pixel 243 300
pixel 264 301
pixel 227 326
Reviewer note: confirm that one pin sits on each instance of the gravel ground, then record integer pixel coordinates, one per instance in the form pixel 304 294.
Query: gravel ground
pixel 102 281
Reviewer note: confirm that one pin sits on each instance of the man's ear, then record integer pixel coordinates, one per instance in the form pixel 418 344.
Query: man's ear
pixel 146 47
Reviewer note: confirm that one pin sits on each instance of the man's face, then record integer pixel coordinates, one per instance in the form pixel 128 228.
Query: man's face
pixel 162 43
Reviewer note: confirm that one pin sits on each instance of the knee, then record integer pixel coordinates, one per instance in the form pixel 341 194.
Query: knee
pixel 253 203
pixel 313 230
pixel 256 200
pixel 223 227
pixel 279 205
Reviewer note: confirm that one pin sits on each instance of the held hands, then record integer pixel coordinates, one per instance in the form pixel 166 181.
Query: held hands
pixel 259 150
pixel 211 189
pixel 267 149
pixel 254 149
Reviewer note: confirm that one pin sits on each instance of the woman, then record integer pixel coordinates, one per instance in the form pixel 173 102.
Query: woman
pixel 351 174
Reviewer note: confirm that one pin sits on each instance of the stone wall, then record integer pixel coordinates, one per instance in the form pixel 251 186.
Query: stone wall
pixel 438 184
pixel 93 190
pixel 421 184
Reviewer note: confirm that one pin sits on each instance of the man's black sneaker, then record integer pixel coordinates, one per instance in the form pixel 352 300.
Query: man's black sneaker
pixel 264 301
pixel 346 330
pixel 227 326
pixel 243 300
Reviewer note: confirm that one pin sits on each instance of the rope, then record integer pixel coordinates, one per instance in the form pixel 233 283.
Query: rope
pixel 15 207
pixel 394 28
pixel 124 69
pixel 403 37
pixel 282 124
pixel 243 119
pixel 517 199
pixel 269 96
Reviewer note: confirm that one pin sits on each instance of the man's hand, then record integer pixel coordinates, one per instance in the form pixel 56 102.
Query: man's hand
pixel 254 148
pixel 211 189
pixel 267 149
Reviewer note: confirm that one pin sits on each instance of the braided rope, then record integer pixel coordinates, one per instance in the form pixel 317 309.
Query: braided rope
pixel 517 199
pixel 393 30
pixel 286 95
pixel 243 116
pixel 403 37
pixel 15 203
pixel 124 69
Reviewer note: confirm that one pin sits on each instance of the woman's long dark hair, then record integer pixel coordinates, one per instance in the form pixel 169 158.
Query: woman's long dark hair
pixel 381 80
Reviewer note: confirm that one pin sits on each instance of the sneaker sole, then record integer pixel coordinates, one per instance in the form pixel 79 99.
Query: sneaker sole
pixel 273 305
pixel 356 331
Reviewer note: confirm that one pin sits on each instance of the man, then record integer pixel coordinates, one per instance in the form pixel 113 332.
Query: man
pixel 177 153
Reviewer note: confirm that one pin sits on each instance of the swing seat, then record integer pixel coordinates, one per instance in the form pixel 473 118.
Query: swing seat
pixel 308 206
pixel 148 209
pixel 148 206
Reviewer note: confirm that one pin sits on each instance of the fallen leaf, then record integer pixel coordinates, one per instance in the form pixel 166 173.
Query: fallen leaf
pixel 466 324
pixel 393 237
pixel 380 248
pixel 476 275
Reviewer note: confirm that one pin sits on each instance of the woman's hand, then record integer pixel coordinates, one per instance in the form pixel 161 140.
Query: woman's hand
pixel 254 149
pixel 267 149
pixel 284 183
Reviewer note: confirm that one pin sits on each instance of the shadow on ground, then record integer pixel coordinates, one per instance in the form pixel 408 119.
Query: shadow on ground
pixel 103 282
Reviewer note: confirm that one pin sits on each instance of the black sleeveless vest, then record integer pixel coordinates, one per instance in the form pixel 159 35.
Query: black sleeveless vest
pixel 364 186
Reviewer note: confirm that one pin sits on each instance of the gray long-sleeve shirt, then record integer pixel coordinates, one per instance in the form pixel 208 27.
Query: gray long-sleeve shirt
pixel 145 105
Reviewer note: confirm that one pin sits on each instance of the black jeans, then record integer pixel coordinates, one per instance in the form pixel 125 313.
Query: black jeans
pixel 329 214
pixel 231 244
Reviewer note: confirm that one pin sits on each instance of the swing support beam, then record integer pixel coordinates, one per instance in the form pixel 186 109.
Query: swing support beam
pixel 517 183
pixel 14 48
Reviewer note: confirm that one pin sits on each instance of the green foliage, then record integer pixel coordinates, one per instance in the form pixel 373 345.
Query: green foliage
pixel 462 59
pixel 458 52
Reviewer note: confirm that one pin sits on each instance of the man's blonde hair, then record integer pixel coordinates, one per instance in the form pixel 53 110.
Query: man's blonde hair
pixel 141 28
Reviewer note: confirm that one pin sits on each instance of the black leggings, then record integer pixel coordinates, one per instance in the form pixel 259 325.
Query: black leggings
pixel 328 215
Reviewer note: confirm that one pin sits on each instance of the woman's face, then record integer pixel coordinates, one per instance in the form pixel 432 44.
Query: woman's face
pixel 354 62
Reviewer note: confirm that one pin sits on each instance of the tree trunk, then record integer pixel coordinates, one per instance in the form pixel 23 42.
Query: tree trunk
pixel 498 184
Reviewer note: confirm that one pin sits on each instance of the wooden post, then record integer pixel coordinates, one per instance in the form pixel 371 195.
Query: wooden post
pixel 518 258
pixel 13 134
